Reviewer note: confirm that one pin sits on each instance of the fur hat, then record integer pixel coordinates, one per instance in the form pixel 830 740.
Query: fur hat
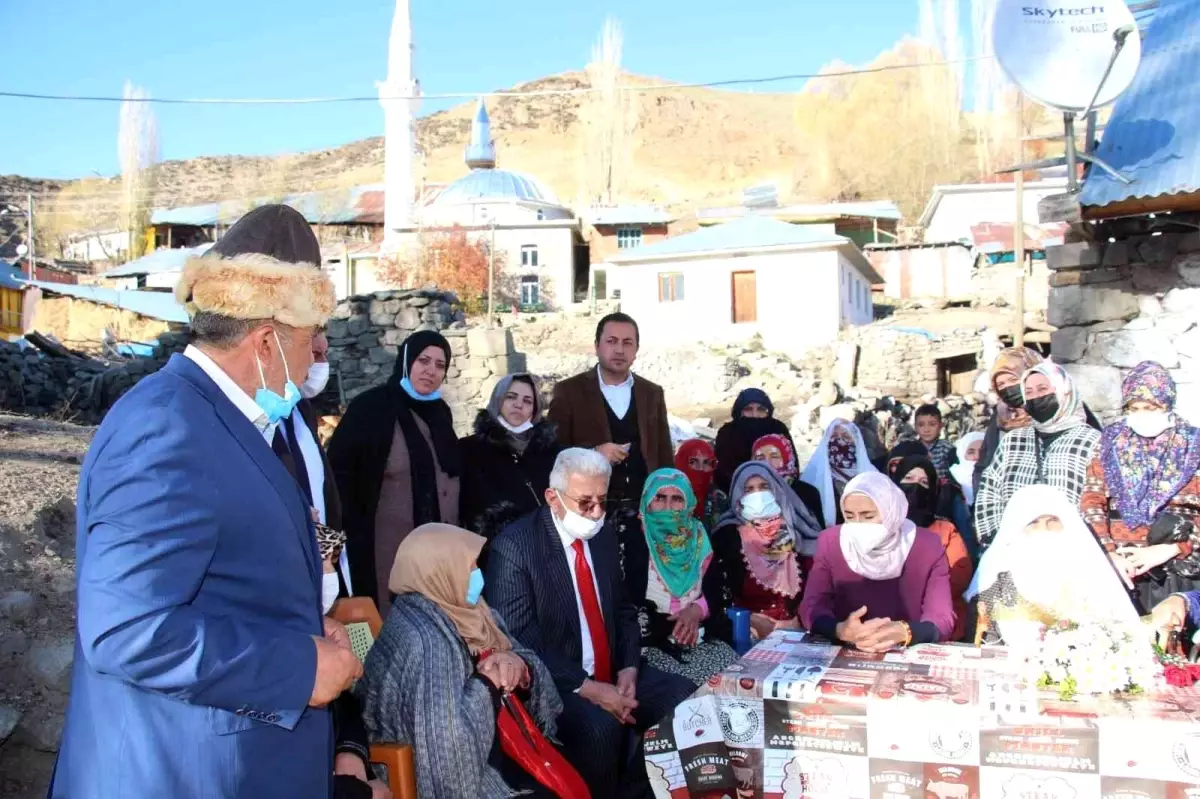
pixel 267 266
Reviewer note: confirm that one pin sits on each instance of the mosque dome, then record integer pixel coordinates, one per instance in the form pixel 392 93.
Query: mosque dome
pixel 486 183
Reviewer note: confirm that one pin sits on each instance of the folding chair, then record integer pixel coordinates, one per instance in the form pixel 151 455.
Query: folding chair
pixel 363 623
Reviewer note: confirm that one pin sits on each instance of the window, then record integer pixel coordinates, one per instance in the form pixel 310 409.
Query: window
pixel 529 290
pixel 529 255
pixel 541 215
pixel 670 287
pixel 629 238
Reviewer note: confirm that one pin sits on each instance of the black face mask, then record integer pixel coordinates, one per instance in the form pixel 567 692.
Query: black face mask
pixel 922 503
pixel 1011 396
pixel 1042 409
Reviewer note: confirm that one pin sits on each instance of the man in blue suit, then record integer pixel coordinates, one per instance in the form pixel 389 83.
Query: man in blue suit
pixel 202 661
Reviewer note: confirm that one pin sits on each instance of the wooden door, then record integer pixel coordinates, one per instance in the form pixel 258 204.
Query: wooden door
pixel 745 297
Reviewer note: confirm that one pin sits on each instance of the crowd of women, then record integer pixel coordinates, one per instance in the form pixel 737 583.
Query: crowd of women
pixel 1044 515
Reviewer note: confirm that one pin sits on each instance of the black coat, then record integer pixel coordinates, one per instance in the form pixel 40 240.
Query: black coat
pixel 735 440
pixel 656 626
pixel 499 486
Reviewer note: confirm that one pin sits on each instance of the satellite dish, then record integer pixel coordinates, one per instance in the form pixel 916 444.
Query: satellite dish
pixel 1058 52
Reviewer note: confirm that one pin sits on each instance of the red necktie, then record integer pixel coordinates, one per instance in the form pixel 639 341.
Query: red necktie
pixel 591 611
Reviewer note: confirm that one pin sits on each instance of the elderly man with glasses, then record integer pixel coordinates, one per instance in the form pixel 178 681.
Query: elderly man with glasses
pixel 555 578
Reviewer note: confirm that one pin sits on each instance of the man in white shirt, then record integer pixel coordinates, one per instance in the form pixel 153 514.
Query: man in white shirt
pixel 555 578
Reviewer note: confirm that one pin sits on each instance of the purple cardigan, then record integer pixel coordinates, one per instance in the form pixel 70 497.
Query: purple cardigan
pixel 919 596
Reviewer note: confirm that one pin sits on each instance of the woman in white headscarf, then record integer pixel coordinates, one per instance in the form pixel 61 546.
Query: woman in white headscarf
pixel 839 458
pixel 1044 565
pixel 1055 450
pixel 969 449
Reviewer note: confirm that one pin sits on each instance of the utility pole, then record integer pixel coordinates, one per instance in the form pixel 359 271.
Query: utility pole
pixel 29 229
pixel 492 277
pixel 1019 229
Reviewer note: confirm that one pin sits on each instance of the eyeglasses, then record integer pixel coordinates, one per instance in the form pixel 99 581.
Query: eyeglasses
pixel 587 504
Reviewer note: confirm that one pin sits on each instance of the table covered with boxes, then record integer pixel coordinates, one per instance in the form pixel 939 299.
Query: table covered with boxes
pixel 801 719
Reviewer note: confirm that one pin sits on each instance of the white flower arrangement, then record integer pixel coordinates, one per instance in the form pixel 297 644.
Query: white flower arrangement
pixel 1093 659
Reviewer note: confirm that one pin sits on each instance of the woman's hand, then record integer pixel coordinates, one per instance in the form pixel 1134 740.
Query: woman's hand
pixel 1124 567
pixel 1143 559
pixel 687 625
pixel 505 670
pixel 891 634
pixel 761 626
pixel 1170 614
pixel 350 765
pixel 854 629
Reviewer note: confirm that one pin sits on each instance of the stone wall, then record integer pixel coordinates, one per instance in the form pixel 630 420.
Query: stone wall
pixel 367 332
pixel 897 362
pixel 1118 303
pixel 80 324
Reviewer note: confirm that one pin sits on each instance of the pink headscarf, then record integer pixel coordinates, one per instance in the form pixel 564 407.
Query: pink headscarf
pixel 878 551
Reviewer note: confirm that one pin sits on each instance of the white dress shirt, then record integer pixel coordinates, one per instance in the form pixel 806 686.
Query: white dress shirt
pixel 568 541
pixel 315 466
pixel 240 399
pixel 619 396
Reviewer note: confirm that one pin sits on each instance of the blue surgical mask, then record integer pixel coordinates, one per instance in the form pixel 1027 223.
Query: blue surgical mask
pixel 474 587
pixel 274 406
pixel 407 385
pixel 760 505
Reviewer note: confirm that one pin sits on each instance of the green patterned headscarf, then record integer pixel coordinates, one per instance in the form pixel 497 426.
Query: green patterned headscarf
pixel 677 540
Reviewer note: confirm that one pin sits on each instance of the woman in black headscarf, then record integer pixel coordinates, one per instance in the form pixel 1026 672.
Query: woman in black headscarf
pixel 753 418
pixel 507 462
pixel 397 462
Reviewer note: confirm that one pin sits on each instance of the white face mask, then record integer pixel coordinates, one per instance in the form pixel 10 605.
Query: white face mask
pixel 329 591
pixel 318 378
pixel 760 505
pixel 1149 424
pixel 521 428
pixel 579 527
pixel 867 535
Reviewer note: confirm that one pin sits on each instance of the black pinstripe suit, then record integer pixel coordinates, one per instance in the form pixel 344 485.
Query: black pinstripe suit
pixel 529 583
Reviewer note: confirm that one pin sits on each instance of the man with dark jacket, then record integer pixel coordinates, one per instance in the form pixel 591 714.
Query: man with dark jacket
pixel 616 413
pixel 554 576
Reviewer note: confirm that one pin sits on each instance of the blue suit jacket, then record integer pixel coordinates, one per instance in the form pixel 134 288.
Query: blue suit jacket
pixel 529 584
pixel 199 592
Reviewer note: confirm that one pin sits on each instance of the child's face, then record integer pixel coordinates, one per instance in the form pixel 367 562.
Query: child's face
pixel 928 428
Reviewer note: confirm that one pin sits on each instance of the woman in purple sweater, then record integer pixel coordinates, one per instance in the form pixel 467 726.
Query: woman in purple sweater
pixel 878 581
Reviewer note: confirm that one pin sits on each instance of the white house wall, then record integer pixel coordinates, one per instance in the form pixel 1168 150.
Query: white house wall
pixel 957 213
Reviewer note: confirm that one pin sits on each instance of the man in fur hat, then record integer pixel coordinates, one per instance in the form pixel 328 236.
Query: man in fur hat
pixel 202 661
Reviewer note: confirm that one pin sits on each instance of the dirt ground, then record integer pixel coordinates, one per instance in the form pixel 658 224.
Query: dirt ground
pixel 39 469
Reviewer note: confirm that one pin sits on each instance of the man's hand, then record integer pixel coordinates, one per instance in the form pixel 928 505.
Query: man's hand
pixel 884 637
pixel 505 670
pixel 337 669
pixel 854 629
pixel 1170 614
pixel 1143 559
pixel 335 632
pixel 606 696
pixel 627 682
pixel 687 625
pixel 616 453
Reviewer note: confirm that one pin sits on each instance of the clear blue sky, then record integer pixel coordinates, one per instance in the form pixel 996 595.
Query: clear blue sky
pixel 270 48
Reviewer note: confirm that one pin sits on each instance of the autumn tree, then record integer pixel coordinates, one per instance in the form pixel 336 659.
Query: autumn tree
pixel 608 116
pixel 138 150
pixel 452 260
pixel 87 207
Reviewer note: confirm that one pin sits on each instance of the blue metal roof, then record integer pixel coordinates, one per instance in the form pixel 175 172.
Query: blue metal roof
pixel 869 209
pixel 751 232
pixel 1153 135
pixel 481 185
pixel 11 277
pixel 162 260
pixel 356 205
pixel 153 304
pixel 629 215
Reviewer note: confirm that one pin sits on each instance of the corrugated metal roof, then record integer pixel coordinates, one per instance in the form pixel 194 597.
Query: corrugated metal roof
pixel 752 232
pixel 11 277
pixel 481 185
pixel 872 209
pixel 1153 135
pixel 360 205
pixel 153 304
pixel 628 215
pixel 162 260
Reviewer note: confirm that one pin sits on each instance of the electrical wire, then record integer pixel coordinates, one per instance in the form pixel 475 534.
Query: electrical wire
pixel 666 87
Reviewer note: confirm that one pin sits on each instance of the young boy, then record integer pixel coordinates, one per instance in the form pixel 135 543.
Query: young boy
pixel 928 421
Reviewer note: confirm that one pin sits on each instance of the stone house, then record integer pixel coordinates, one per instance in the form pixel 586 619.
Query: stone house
pixel 1126 286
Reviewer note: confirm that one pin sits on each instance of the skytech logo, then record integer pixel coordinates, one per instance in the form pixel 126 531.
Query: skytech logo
pixel 1061 13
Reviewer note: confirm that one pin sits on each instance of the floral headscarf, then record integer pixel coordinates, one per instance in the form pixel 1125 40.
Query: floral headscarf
pixel 1070 406
pixel 701 481
pixel 769 545
pixel 790 469
pixel 1142 474
pixel 1016 361
pixel 838 458
pixel 678 544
